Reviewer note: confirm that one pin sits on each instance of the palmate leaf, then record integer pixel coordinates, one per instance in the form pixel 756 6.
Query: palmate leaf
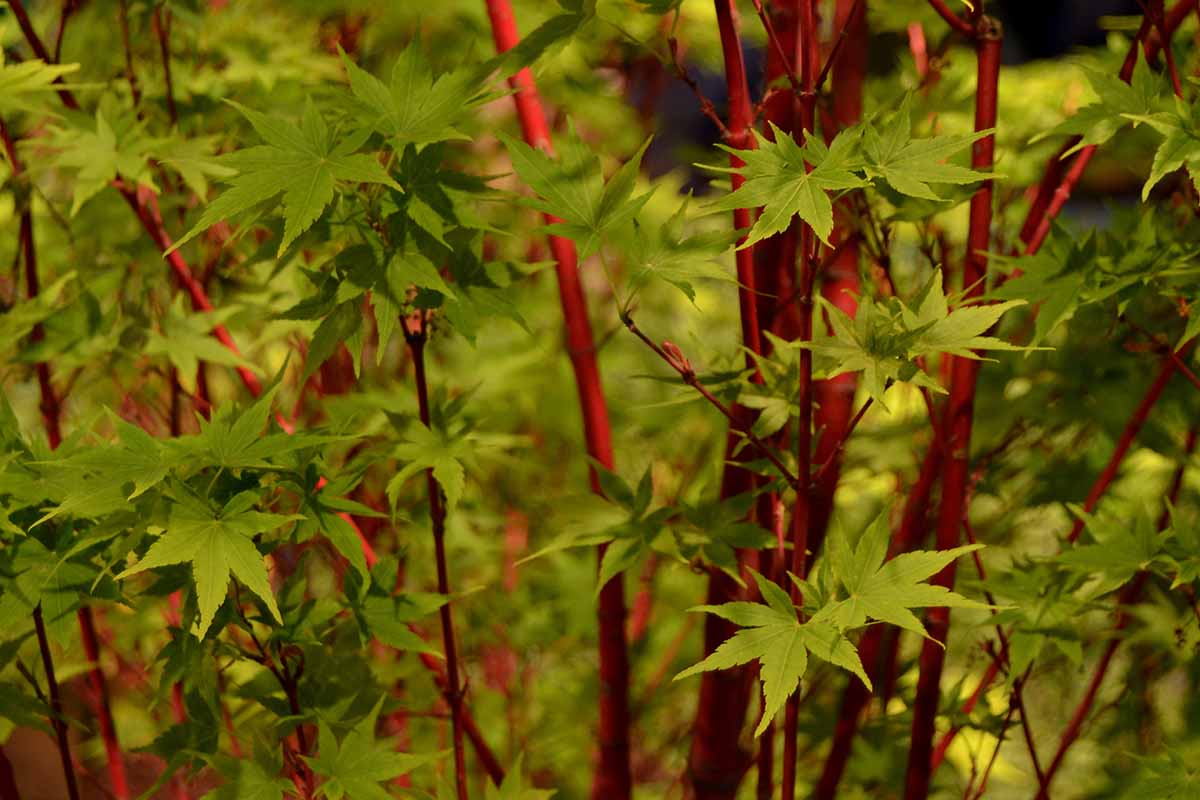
pixel 573 189
pixel 910 165
pixel 301 164
pixel 416 107
pixel 883 340
pixel 664 253
pixel 1098 122
pixel 876 591
pixel 216 544
pixel 432 449
pixel 29 85
pixel 1181 143
pixel 98 148
pixel 774 636
pixel 356 766
pixel 885 590
pixel 778 181
pixel 185 339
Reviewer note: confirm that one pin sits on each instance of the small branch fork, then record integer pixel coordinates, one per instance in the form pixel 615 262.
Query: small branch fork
pixel 674 358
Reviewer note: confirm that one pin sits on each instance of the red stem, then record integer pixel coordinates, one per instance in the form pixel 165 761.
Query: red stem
pixel 8 779
pixel 99 687
pixel 802 510
pixel 1132 428
pixel 959 417
pixel 57 721
pixel 877 646
pixel 839 281
pixel 437 516
pixel 613 779
pixel 953 20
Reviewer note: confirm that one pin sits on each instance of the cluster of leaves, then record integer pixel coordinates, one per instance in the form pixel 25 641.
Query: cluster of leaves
pixel 373 219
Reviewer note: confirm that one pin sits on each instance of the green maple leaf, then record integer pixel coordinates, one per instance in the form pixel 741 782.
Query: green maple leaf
pixel 301 165
pixel 255 778
pixel 1056 277
pixel 423 449
pixel 235 440
pixel 99 148
pixel 356 766
pixel 778 181
pixel 216 544
pixel 416 107
pixel 909 165
pixel 1180 146
pixel 885 591
pixel 19 319
pixel 193 159
pixel 27 85
pixel 185 339
pixel 1126 544
pixel 662 252
pixel 774 635
pixel 1173 777
pixel 573 189
pixel 577 14
pixel 1098 122
pixel 883 340
pixel 45 578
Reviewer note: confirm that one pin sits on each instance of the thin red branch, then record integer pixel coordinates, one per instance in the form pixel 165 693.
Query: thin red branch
pixel 802 510
pixel 613 778
pixel 1128 595
pixel 135 89
pixel 953 20
pixel 716 760
pixel 682 366
pixel 162 31
pixel 1128 435
pixel 779 46
pixel 959 417
pixel 876 653
pixel 437 514
pixel 57 720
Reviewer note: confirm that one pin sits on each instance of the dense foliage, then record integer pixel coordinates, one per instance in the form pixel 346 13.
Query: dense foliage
pixel 394 406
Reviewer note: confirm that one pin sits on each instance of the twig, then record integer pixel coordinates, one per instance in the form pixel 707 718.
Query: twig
pixel 841 443
pixel 959 418
pixel 56 720
pixel 416 338
pixel 837 46
pixel 953 20
pixel 162 30
pixel 769 27
pixel 673 357
pixel 130 75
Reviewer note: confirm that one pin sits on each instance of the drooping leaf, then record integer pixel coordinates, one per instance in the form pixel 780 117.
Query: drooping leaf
pixel 572 188
pixel 778 180
pixel 299 166
pixel 217 544
pixel 356 766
